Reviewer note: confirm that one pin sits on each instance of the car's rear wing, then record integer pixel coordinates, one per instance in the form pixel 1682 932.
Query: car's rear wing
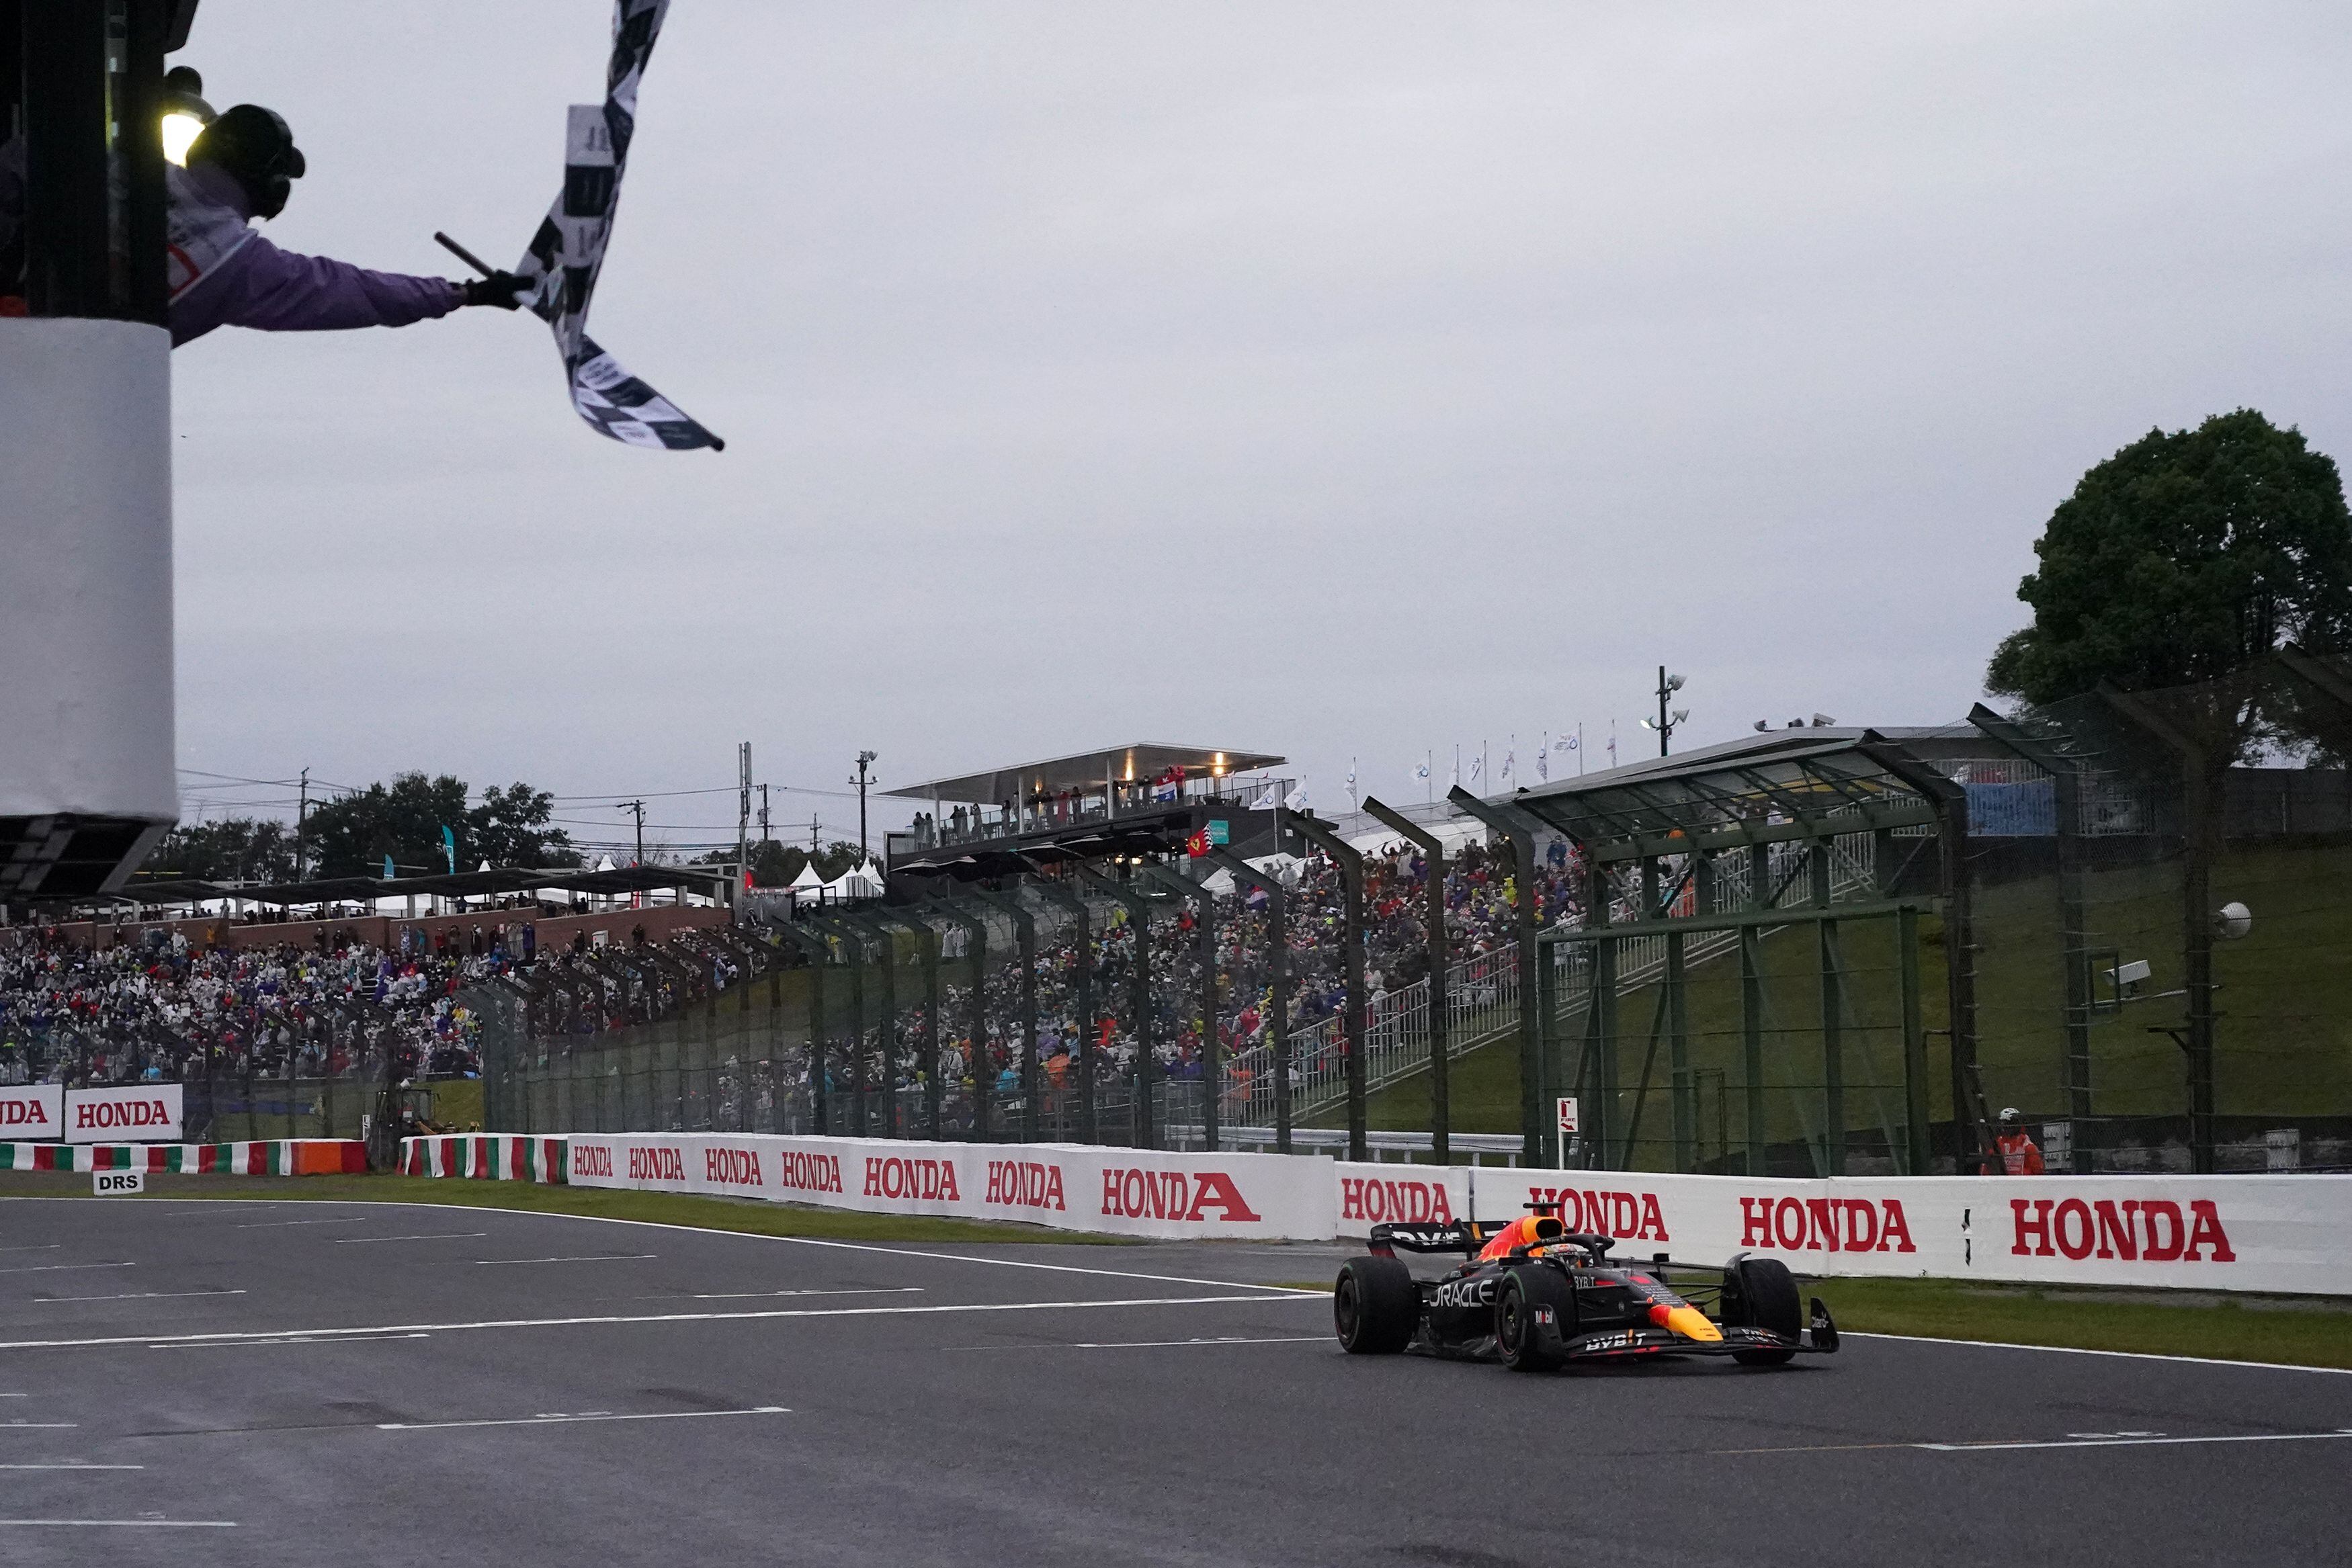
pixel 1461 1235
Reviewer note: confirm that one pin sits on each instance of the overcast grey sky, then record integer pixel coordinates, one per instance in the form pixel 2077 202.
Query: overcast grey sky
pixel 1339 380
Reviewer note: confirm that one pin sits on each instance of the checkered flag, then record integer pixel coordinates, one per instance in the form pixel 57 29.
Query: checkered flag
pixel 568 251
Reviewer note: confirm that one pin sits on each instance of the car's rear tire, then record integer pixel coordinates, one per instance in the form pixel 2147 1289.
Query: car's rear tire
pixel 1375 1306
pixel 1768 1300
pixel 1517 1332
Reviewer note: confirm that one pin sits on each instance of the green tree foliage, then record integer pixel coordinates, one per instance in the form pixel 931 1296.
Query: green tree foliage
pixel 235 849
pixel 351 836
pixel 2185 556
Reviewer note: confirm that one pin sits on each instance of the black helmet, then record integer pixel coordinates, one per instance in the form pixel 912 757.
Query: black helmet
pixel 255 146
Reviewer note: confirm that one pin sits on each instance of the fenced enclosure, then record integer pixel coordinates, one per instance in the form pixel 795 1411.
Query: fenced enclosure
pixel 2124 918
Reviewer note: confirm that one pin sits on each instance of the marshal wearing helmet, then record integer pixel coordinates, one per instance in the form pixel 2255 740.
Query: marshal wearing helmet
pixel 1536 1295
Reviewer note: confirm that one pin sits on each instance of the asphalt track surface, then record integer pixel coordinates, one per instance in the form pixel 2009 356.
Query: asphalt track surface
pixel 242 1381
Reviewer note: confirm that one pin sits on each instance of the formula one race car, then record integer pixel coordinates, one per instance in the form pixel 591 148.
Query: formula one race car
pixel 1535 1295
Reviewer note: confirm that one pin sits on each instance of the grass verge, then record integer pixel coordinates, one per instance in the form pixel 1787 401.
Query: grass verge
pixel 752 1216
pixel 2285 1330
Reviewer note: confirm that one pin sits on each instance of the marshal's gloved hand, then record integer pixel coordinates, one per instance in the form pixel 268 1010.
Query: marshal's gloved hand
pixel 499 288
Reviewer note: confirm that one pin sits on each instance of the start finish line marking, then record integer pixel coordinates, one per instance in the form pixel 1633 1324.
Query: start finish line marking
pixel 326 1335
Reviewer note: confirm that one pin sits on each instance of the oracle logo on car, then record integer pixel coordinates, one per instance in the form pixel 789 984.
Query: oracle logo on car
pixel 925 1181
pixel 732 1167
pixel 1024 1184
pixel 592 1160
pixel 1627 1215
pixel 102 1114
pixel 1129 1193
pixel 656 1165
pixel 1824 1225
pixel 1376 1198
pixel 2137 1230
pixel 805 1172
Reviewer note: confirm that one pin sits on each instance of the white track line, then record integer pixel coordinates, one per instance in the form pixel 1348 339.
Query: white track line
pixel 44 1247
pixel 1273 1290
pixel 563 1420
pixel 36 1425
pixel 432 1236
pixel 383 1330
pixel 590 1257
pixel 2077 1349
pixel 2136 1442
pixel 1162 1344
pixel 72 1466
pixel 131 1523
pixel 276 1224
pixel 266 1343
pixel 133 1296
pixel 63 1267
pixel 764 1295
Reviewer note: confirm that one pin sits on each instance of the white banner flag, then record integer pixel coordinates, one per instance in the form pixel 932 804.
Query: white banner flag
pixel 568 251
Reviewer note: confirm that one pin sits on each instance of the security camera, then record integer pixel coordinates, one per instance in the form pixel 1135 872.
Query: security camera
pixel 2232 920
pixel 1822 721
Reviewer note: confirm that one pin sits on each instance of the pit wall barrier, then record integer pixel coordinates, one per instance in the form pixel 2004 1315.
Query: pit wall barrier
pixel 2282 1233
pixel 1125 1191
pixel 273 1157
pixel 484 1156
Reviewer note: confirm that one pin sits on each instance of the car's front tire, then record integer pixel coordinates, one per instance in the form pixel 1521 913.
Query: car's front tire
pixel 1768 1299
pixel 1520 1334
pixel 1375 1306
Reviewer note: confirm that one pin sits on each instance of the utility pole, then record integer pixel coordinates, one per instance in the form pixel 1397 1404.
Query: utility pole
pixel 639 808
pixel 763 813
pixel 301 826
pixel 1666 723
pixel 862 779
pixel 742 806
pixel 812 835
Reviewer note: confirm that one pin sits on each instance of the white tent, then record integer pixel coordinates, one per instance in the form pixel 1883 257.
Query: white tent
pixel 806 880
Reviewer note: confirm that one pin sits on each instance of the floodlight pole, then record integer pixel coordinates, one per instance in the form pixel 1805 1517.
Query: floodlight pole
pixel 888 1033
pixel 1278 932
pixel 1441 1107
pixel 1147 1069
pixel 1351 950
pixel 1025 924
pixel 820 956
pixel 1212 1066
pixel 1089 1125
pixel 1519 829
pixel 927 943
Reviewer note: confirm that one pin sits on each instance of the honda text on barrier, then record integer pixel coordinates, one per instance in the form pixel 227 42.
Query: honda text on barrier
pixel 1536 1295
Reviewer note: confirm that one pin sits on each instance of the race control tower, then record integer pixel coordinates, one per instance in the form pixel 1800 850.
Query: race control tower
pixel 86 702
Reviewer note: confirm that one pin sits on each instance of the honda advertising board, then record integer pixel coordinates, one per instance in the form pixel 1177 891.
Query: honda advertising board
pixel 1075 1188
pixel 135 1113
pixel 31 1112
pixel 2217 1232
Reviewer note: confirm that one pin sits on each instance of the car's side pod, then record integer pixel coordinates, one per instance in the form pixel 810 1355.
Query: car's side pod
pixel 1461 1235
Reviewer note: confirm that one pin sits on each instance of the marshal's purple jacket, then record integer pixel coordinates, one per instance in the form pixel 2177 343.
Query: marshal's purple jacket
pixel 275 290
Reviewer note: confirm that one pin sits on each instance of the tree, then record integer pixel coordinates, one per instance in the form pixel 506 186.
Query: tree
pixel 352 835
pixel 2183 558
pixel 234 849
pixel 510 829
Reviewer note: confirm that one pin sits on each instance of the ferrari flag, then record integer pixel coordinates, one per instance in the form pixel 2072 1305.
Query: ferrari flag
pixel 568 251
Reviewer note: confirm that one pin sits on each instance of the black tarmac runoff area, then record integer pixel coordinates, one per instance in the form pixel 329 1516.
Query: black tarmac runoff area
pixel 276 1381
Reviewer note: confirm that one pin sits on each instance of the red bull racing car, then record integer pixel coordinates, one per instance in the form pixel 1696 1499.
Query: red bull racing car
pixel 1535 1296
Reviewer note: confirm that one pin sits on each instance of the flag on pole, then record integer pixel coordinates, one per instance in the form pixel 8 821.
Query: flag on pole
pixel 1543 757
pixel 1352 798
pixel 1510 760
pixel 568 252
pixel 1478 766
pixel 449 848
pixel 1296 799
